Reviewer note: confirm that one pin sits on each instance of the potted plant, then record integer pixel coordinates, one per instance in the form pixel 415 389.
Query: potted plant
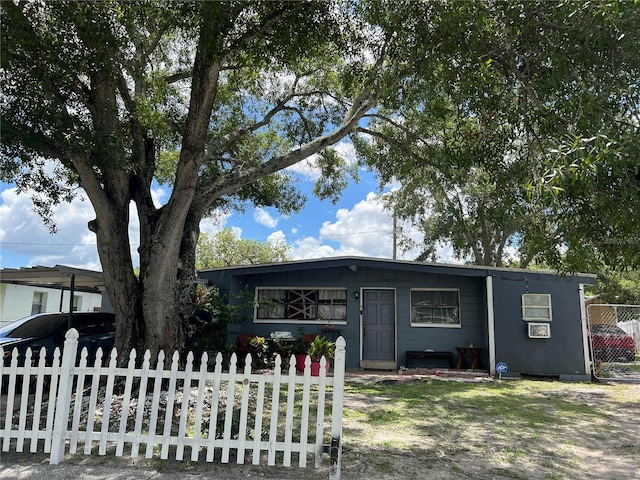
pixel 320 347
pixel 299 348
pixel 258 347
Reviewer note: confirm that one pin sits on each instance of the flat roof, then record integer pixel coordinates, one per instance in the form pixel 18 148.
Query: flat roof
pixel 353 262
pixel 54 277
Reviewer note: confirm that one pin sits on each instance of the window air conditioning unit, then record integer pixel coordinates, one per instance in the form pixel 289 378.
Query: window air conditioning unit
pixel 539 330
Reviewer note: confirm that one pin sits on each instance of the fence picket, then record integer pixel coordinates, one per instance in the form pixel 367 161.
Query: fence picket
pixel 244 407
pixel 257 431
pixel 108 398
pixel 304 423
pixel 184 408
pixel 336 412
pixel 62 402
pixel 142 396
pixel 126 403
pixel 213 415
pixel 292 426
pixel 319 445
pixel 291 400
pixel 228 415
pixel 51 400
pixel 24 397
pixel 275 403
pixel 197 427
pixel 37 401
pixel 168 412
pixel 93 400
pixel 157 387
pixel 77 407
pixel 11 394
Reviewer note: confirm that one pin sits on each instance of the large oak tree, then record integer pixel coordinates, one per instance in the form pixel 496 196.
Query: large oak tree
pixel 213 98
pixel 216 99
pixel 536 147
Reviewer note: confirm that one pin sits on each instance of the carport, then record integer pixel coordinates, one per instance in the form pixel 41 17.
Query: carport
pixel 59 276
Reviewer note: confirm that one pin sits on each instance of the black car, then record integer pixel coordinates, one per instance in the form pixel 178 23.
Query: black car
pixel 96 329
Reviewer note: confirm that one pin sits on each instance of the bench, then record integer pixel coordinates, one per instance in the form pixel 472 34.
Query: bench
pixel 427 355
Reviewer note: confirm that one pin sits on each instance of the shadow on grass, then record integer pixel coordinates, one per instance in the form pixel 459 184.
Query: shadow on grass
pixel 509 429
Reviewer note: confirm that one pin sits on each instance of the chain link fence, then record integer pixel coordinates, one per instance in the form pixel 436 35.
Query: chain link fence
pixel 614 341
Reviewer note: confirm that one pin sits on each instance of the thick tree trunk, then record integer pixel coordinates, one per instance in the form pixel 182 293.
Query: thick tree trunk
pixel 159 282
pixel 163 330
pixel 186 280
pixel 187 266
pixel 108 187
pixel 122 286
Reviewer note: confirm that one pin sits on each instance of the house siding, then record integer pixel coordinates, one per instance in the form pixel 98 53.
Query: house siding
pixel 16 301
pixel 472 311
pixel 563 353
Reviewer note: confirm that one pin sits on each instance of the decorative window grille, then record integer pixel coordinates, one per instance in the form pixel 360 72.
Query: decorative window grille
pixel 302 304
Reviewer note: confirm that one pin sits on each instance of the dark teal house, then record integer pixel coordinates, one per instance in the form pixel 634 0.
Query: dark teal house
pixel 391 312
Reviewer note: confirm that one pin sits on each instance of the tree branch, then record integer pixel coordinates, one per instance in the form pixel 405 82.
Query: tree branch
pixel 176 77
pixel 397 125
pixel 220 144
pixel 228 183
pixel 260 31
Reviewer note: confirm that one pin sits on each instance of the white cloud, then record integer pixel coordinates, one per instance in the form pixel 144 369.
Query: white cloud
pixel 308 169
pixel 158 196
pixel 237 232
pixel 310 247
pixel 215 222
pixel 264 218
pixel 363 230
pixel 23 233
pixel 277 237
pixel 347 151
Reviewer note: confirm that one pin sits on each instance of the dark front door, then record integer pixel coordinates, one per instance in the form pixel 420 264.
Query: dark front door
pixel 378 325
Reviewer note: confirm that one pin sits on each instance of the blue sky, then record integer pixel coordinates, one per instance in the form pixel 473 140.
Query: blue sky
pixel 356 225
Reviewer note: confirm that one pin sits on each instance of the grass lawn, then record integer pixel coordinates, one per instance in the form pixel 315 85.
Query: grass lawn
pixel 399 428
pixel 502 429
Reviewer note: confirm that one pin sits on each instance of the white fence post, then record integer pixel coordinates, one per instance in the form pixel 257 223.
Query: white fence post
pixel 63 400
pixel 337 407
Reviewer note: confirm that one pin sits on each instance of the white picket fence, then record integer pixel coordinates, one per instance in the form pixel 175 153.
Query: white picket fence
pixel 277 416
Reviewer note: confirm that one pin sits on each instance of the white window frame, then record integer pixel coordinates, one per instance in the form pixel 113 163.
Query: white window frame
pixel 323 304
pixel 530 305
pixel 39 303
pixel 458 324
pixel 77 303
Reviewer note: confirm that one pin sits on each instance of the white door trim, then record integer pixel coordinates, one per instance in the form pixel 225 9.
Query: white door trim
pixel 377 364
pixel 491 326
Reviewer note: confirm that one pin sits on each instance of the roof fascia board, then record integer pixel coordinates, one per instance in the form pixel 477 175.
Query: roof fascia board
pixel 441 268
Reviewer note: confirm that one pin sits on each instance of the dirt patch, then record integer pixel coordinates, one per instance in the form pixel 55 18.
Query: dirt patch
pixel 581 431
